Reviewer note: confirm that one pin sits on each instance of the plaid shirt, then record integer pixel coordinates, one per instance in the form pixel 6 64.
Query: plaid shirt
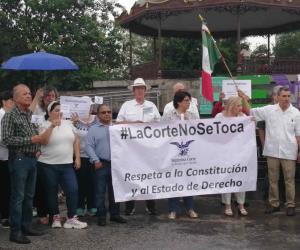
pixel 17 130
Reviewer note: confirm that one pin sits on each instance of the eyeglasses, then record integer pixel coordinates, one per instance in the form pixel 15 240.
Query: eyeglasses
pixel 105 112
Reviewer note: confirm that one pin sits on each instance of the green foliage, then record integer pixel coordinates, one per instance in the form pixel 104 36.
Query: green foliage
pixel 287 45
pixel 181 53
pixel 260 51
pixel 83 30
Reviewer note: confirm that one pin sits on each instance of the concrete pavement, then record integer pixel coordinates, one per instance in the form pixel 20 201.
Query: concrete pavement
pixel 212 230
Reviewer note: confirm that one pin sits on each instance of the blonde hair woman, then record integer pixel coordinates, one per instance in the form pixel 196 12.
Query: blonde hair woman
pixel 233 108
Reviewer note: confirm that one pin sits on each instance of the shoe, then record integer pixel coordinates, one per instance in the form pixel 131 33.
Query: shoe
pixel 34 212
pixel 172 215
pixel 5 223
pixel 80 212
pixel 43 220
pixel 74 223
pixel 101 221
pixel 228 212
pixel 61 197
pixel 56 221
pixel 129 211
pixel 32 232
pixel 118 219
pixel 271 210
pixel 290 211
pixel 243 212
pixel 192 214
pixel 151 211
pixel 91 211
pixel 20 239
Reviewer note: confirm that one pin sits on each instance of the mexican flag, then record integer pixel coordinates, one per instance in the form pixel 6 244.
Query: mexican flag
pixel 210 56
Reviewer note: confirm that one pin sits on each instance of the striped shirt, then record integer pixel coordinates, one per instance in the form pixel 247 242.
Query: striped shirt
pixel 17 130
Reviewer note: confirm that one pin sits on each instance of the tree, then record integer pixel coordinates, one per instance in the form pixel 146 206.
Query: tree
pixel 83 30
pixel 260 51
pixel 287 45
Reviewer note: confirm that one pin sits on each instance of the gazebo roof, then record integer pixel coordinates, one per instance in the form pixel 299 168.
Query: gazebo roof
pixel 179 18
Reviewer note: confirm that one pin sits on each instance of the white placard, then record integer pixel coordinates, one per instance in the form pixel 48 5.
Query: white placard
pixel 229 87
pixel 98 100
pixel 78 105
pixel 65 110
pixel 183 158
pixel 37 119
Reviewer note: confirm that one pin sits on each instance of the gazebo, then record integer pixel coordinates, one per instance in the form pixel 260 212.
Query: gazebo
pixel 226 18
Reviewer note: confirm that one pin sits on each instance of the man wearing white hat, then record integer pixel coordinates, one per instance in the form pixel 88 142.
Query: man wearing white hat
pixel 135 111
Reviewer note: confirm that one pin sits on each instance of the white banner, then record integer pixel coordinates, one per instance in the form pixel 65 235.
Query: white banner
pixel 183 158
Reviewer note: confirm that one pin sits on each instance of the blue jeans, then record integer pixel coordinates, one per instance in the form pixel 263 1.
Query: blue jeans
pixel 103 181
pixel 22 176
pixel 63 174
pixel 174 204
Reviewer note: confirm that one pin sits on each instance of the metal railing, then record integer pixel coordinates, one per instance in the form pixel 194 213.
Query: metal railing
pixel 116 98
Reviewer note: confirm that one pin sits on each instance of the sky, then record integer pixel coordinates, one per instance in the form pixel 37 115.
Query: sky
pixel 254 40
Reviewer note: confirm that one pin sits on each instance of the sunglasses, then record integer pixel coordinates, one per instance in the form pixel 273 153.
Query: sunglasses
pixel 105 112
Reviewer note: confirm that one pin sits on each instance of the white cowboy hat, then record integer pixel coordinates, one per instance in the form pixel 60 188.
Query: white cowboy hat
pixel 139 82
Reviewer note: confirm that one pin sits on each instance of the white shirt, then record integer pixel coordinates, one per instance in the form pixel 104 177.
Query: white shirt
pixel 59 150
pixel 282 127
pixel 173 115
pixel 192 109
pixel 39 111
pixel 3 148
pixel 221 115
pixel 133 111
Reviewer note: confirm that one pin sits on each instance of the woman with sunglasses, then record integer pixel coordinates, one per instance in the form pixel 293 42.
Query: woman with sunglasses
pixel 57 166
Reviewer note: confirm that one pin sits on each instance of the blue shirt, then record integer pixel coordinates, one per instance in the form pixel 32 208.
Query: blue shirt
pixel 97 143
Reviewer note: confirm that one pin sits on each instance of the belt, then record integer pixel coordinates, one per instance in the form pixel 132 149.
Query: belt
pixel 105 161
pixel 21 154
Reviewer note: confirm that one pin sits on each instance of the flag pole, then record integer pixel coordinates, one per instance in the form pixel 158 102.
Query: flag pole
pixel 222 57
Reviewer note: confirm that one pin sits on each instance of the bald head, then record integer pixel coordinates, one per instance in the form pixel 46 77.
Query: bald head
pixel 18 88
pixel 178 87
pixel 22 96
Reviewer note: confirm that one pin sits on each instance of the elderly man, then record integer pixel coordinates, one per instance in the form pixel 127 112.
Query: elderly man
pixel 22 140
pixel 98 150
pixel 135 111
pixel 281 147
pixel 193 106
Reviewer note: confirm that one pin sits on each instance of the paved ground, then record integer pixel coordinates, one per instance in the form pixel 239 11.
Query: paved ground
pixel 211 231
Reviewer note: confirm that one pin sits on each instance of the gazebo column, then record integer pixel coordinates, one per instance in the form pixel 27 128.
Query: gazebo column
pixel 154 49
pixel 159 73
pixel 130 55
pixel 238 42
pixel 269 54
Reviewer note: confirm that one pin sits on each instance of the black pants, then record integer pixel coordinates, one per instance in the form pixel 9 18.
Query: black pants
pixel 86 192
pixel 4 189
pixel 39 200
pixel 131 204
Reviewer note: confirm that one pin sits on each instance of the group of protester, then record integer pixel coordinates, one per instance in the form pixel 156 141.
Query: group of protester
pixel 74 155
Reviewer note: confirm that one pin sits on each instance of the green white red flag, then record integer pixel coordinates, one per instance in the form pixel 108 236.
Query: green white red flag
pixel 210 56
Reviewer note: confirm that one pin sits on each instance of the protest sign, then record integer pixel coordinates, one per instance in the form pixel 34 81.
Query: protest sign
pixel 229 87
pixel 183 158
pixel 73 104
